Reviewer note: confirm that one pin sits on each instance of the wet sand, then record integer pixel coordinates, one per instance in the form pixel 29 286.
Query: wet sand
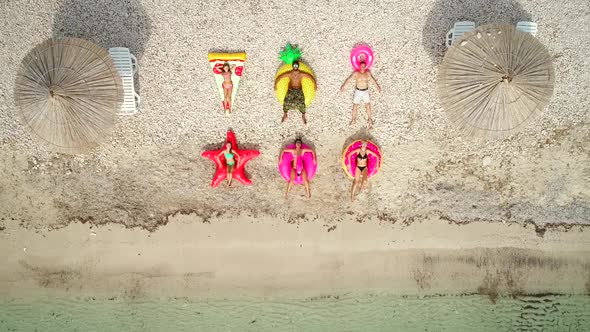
pixel 269 258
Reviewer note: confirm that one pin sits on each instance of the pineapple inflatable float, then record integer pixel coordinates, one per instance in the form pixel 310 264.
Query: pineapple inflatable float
pixel 288 56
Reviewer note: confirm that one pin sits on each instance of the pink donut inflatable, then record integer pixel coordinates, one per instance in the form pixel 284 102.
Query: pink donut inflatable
pixel 360 54
pixel 349 164
pixel 307 158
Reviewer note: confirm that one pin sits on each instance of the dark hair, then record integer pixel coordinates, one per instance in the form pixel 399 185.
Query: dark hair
pixel 295 63
pixel 231 146
pixel 298 140
pixel 362 63
pixel 226 65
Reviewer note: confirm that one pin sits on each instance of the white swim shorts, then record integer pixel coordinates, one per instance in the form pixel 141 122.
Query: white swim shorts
pixel 361 96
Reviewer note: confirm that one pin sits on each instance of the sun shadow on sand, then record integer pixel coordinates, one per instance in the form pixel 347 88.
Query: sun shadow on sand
pixel 362 135
pixel 122 23
pixel 445 13
pixel 243 145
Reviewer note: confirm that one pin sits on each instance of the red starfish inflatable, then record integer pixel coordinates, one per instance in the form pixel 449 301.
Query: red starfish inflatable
pixel 220 171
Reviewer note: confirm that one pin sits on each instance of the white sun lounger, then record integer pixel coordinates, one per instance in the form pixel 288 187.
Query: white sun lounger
pixel 529 27
pixel 126 65
pixel 458 31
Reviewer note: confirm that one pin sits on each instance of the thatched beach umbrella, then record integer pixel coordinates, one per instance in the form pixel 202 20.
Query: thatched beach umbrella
pixel 495 80
pixel 68 93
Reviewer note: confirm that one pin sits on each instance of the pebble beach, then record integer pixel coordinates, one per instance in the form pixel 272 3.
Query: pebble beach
pixel 151 166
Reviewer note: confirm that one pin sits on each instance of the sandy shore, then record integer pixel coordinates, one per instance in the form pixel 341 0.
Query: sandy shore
pixel 271 258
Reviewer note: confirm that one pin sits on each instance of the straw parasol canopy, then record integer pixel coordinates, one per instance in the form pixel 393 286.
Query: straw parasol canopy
pixel 495 80
pixel 68 93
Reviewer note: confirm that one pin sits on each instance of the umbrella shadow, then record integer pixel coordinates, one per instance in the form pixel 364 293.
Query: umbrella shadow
pixel 122 23
pixel 445 13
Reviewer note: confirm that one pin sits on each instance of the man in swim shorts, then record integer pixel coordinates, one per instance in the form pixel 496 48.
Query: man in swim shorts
pixel 294 100
pixel 361 92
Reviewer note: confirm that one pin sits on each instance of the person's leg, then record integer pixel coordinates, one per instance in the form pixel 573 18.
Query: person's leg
pixel 225 98
pixel 365 178
pixel 355 183
pixel 303 115
pixel 306 183
pixel 287 104
pixel 230 171
pixel 369 116
pixel 290 184
pixel 355 108
pixel 229 92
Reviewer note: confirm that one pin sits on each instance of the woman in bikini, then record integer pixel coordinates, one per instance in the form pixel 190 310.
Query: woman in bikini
pixel 360 175
pixel 298 167
pixel 227 85
pixel 231 157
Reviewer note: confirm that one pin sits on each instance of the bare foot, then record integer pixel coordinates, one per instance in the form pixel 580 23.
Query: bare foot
pixel 304 119
pixel 352 122
pixel 370 124
pixel 284 117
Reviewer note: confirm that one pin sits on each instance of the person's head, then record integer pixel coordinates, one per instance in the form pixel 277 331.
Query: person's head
pixel 298 142
pixel 228 146
pixel 226 67
pixel 363 145
pixel 363 66
pixel 295 65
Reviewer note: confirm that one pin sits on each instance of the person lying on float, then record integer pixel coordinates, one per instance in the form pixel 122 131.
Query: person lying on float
pixel 298 166
pixel 231 158
pixel 362 77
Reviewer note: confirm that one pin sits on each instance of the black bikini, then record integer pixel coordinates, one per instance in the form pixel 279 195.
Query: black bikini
pixel 358 156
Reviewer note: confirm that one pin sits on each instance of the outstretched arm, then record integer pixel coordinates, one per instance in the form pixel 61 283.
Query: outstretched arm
pixel 219 155
pixel 283 153
pixel 346 82
pixel 351 152
pixel 304 151
pixel 377 159
pixel 372 153
pixel 315 84
pixel 375 82
pixel 280 77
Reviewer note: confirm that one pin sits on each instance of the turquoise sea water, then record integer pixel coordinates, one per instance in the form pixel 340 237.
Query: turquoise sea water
pixel 376 312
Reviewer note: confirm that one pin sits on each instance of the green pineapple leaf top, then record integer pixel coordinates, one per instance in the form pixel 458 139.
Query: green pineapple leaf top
pixel 290 54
